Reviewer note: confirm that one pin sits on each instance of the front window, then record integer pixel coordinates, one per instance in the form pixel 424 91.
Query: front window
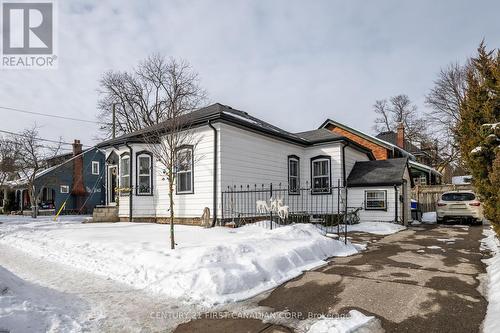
pixel 144 174
pixel 64 189
pixel 293 175
pixel 320 174
pixel 95 167
pixel 421 180
pixel 375 200
pixel 125 172
pixel 185 170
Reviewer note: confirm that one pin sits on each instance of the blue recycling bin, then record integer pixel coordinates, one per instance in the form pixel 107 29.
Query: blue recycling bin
pixel 416 214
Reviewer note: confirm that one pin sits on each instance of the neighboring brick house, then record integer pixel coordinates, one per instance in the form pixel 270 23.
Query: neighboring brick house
pixel 390 145
pixel 423 155
pixel 75 179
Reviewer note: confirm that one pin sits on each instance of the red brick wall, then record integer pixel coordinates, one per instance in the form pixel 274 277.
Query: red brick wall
pixel 379 152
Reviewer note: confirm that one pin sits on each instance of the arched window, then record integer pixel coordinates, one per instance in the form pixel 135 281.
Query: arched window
pixel 293 174
pixel 321 175
pixel 124 172
pixel 144 178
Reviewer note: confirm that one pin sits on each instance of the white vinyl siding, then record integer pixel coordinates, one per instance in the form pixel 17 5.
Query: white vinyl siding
pixel 357 198
pixel 351 157
pixel 248 158
pixel 244 158
pixel 157 204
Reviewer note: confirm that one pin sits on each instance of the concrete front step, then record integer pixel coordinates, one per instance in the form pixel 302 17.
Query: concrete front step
pixel 105 214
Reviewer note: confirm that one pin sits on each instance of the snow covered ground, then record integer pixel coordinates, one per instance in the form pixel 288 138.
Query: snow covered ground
pixel 429 218
pixel 209 266
pixel 26 307
pixel 492 321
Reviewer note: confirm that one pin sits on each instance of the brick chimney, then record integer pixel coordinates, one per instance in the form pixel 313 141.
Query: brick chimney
pixel 400 137
pixel 78 188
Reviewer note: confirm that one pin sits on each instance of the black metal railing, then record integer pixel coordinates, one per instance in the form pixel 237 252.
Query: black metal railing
pixel 275 205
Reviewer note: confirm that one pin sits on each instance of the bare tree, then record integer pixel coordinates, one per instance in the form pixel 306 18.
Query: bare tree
pixel 142 97
pixel 399 109
pixel 31 160
pixel 445 100
pixel 160 94
pixel 8 159
pixel 383 121
pixel 166 142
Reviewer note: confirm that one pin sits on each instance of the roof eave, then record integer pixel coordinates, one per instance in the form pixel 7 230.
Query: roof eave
pixel 375 184
pixel 365 136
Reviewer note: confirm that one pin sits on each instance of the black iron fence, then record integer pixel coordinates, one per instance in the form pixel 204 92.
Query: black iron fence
pixel 275 205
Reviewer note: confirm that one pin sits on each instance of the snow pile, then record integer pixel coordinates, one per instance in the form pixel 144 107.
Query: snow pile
pixel 351 323
pixel 376 228
pixel 476 150
pixel 25 307
pixel 209 266
pixel 490 242
pixel 429 218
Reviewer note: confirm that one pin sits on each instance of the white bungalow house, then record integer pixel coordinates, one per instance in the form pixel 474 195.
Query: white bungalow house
pixel 236 150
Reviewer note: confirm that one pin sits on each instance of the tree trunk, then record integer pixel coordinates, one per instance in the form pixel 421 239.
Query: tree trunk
pixel 171 197
pixel 34 202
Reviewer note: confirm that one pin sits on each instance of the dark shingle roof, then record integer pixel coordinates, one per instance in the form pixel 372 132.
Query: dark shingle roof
pixel 382 172
pixel 318 135
pixel 392 137
pixel 224 113
pixel 200 116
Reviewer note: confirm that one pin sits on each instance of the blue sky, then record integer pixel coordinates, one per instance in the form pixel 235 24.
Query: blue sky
pixel 291 63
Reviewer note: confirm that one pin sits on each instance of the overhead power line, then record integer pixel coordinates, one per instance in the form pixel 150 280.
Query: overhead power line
pixel 40 139
pixel 50 115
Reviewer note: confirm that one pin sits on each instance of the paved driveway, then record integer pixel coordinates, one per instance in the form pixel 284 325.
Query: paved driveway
pixel 424 279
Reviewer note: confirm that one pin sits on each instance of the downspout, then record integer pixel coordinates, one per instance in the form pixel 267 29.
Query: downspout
pixel 344 177
pixel 131 194
pixel 404 203
pixel 214 220
pixel 396 203
pixel 343 163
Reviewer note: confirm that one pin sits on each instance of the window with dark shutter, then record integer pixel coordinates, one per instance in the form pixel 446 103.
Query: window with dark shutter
pixel 185 170
pixel 293 175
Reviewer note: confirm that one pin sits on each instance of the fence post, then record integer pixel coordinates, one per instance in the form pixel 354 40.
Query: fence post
pixel 222 207
pixel 338 207
pixel 345 216
pixel 271 210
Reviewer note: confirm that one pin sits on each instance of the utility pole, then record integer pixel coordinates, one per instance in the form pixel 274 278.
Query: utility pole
pixel 114 120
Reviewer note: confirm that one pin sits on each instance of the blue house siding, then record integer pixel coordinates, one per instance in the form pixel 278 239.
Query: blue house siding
pixel 62 175
pixel 94 184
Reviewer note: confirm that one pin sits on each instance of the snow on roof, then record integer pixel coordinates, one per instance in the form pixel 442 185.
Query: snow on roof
pixel 41 173
pixel 423 166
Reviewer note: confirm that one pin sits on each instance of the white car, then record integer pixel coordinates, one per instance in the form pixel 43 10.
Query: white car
pixel 459 205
